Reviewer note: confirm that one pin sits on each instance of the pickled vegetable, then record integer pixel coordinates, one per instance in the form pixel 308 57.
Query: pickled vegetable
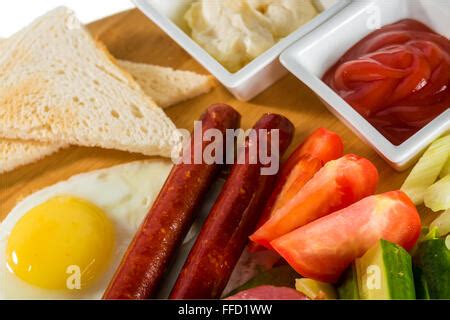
pixel 427 170
pixel 437 197
pixel 442 224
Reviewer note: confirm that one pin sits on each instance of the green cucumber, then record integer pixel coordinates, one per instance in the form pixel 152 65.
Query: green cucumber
pixel 348 285
pixel 432 261
pixel 384 272
pixel 422 291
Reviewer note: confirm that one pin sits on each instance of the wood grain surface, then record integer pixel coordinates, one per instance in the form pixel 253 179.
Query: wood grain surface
pixel 130 35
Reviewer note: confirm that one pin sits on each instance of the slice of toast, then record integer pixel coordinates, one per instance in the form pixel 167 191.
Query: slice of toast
pixel 167 86
pixel 60 86
pixel 16 153
pixel 164 85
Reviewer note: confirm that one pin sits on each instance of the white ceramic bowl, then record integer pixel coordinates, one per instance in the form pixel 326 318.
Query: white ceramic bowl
pixel 310 57
pixel 256 76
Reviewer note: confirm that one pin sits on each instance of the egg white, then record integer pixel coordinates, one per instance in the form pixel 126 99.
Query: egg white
pixel 125 193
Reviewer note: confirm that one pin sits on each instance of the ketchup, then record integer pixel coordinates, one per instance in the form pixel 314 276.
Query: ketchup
pixel 397 78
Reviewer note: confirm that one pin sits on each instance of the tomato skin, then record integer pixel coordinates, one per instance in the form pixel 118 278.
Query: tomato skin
pixel 323 249
pixel 323 144
pixel 301 173
pixel 337 185
pixel 320 147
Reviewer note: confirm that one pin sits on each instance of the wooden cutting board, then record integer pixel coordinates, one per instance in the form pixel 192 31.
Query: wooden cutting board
pixel 130 35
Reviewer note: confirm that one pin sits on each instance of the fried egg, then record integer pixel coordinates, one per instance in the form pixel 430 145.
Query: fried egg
pixel 66 241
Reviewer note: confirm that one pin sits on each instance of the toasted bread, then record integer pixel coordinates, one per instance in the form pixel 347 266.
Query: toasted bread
pixel 59 87
pixel 16 153
pixel 167 86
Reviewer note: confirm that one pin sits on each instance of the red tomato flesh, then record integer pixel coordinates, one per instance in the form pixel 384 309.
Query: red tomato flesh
pixel 323 249
pixel 301 173
pixel 323 144
pixel 337 185
pixel 320 147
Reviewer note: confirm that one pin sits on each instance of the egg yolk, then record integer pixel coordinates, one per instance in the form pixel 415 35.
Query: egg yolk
pixel 63 243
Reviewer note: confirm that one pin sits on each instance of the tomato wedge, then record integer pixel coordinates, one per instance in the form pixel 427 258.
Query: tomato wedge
pixel 323 144
pixel 301 173
pixel 320 147
pixel 337 185
pixel 323 249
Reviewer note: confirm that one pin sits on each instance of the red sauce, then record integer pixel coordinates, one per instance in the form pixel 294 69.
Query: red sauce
pixel 397 78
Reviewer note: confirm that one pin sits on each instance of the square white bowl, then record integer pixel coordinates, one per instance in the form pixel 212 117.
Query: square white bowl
pixel 256 76
pixel 310 57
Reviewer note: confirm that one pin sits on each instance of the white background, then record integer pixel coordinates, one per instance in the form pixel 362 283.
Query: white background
pixel 15 14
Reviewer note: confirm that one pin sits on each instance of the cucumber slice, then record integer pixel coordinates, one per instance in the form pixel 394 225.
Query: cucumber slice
pixel 442 224
pixel 422 291
pixel 315 290
pixel 384 272
pixel 427 170
pixel 437 197
pixel 433 259
pixel 348 285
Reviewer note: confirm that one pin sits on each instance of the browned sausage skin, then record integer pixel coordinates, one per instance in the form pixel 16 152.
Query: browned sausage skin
pixel 169 219
pixel 232 218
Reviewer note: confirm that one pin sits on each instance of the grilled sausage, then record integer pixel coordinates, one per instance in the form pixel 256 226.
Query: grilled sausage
pixel 232 218
pixel 170 217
